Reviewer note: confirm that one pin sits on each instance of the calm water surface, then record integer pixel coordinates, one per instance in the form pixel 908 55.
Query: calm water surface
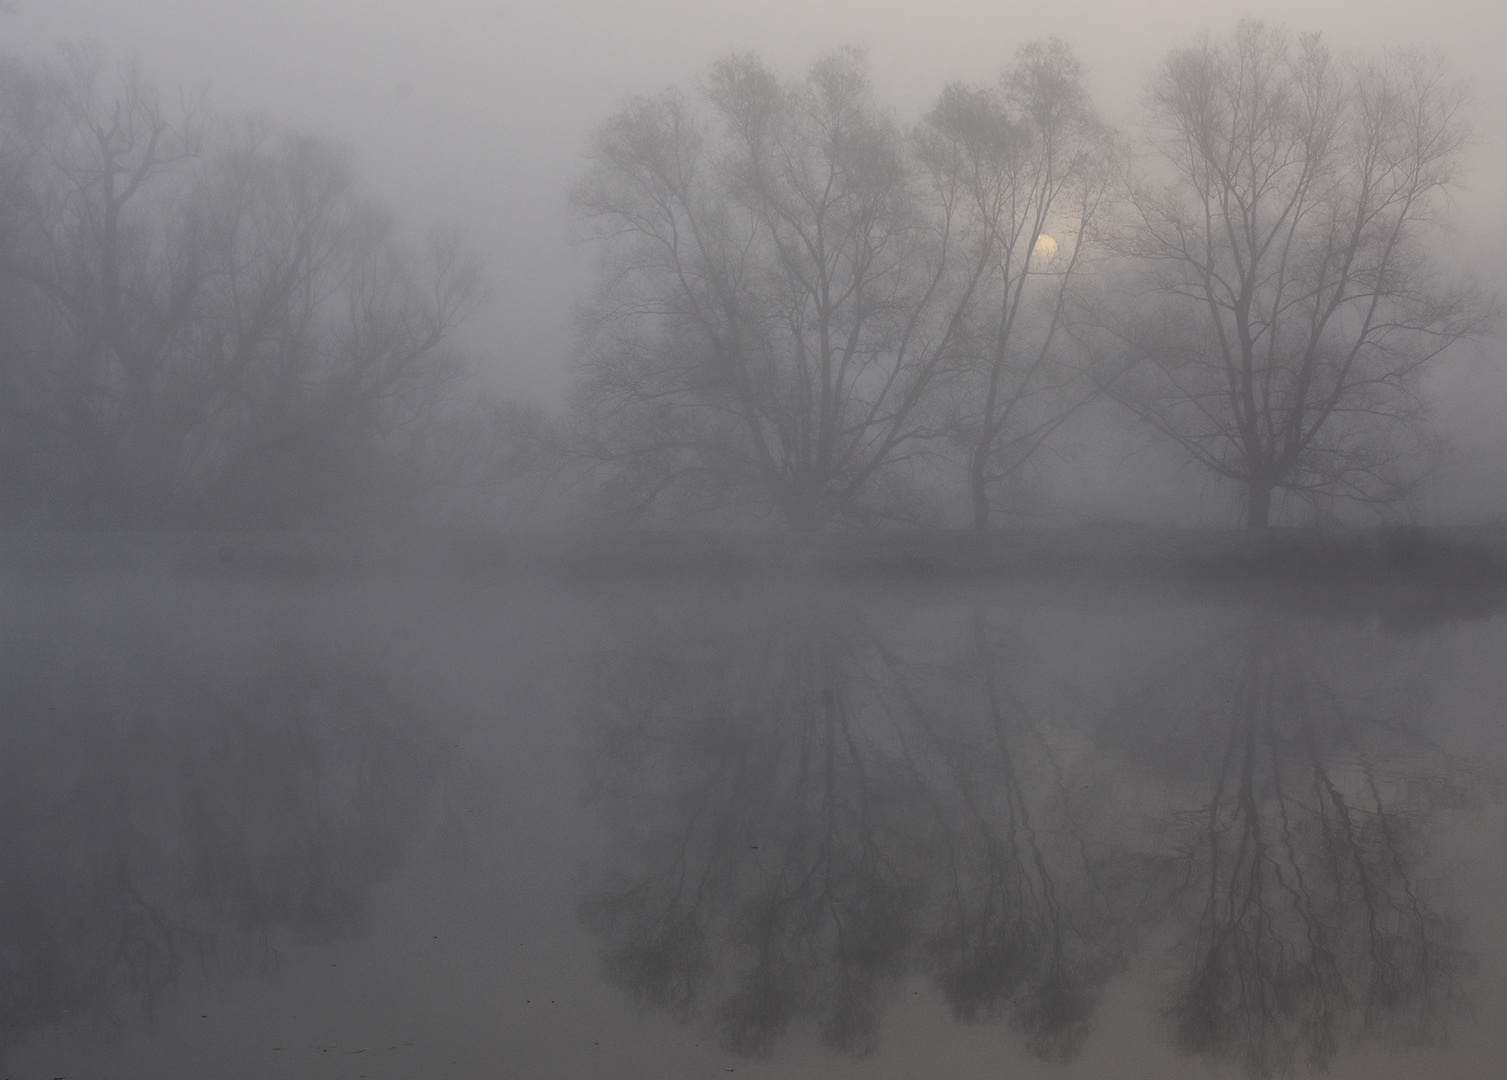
pixel 449 828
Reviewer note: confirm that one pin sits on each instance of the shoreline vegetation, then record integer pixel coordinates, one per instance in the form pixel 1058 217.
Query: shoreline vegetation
pixel 1443 556
pixel 1404 578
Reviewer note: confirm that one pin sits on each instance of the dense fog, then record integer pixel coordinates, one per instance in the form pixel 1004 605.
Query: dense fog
pixel 391 825
pixel 1007 334
pixel 806 539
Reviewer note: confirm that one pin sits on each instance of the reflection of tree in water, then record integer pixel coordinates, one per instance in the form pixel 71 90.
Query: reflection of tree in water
pixel 763 834
pixel 1022 922
pixel 805 818
pixel 1307 920
pixel 155 812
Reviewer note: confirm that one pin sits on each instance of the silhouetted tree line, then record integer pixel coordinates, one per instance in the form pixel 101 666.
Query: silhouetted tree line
pixel 806 312
pixel 204 321
pixel 810 813
pixel 811 313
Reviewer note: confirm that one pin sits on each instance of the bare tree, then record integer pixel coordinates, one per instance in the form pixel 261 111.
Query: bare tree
pixel 1297 303
pixel 27 101
pixel 778 296
pixel 112 294
pixel 323 338
pixel 212 322
pixel 1028 168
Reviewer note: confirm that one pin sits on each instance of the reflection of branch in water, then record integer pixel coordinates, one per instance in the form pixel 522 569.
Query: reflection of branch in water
pixel 1021 926
pixel 158 811
pixel 803 821
pixel 1306 918
pixel 768 825
pixel 830 924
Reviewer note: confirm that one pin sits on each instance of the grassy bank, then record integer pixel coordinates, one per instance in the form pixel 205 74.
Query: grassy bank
pixel 1406 579
pixel 1446 556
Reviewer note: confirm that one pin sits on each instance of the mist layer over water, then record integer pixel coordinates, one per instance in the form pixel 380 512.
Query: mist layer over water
pixel 449 826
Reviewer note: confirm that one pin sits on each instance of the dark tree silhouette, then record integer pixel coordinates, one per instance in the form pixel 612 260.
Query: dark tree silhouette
pixel 1285 229
pixel 208 322
pixel 779 294
pixel 1028 170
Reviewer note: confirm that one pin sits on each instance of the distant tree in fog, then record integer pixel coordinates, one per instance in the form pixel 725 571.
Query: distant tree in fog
pixel 1028 170
pixel 205 322
pixel 1284 238
pixel 781 291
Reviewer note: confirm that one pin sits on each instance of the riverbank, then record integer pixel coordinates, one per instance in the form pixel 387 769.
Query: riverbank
pixel 1456 556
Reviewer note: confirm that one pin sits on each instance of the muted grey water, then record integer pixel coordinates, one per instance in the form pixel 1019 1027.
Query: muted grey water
pixel 458 827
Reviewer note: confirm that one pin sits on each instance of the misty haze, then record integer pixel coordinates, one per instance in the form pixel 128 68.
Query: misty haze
pixel 802 540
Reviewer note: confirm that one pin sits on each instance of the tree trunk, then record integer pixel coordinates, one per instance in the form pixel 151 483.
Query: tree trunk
pixel 1258 504
pixel 801 511
pixel 978 489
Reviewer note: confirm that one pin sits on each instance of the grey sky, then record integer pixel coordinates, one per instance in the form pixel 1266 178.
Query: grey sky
pixel 477 111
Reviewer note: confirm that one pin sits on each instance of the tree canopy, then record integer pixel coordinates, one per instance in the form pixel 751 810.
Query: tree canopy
pixel 806 309
pixel 1284 237
pixel 205 320
pixel 778 296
